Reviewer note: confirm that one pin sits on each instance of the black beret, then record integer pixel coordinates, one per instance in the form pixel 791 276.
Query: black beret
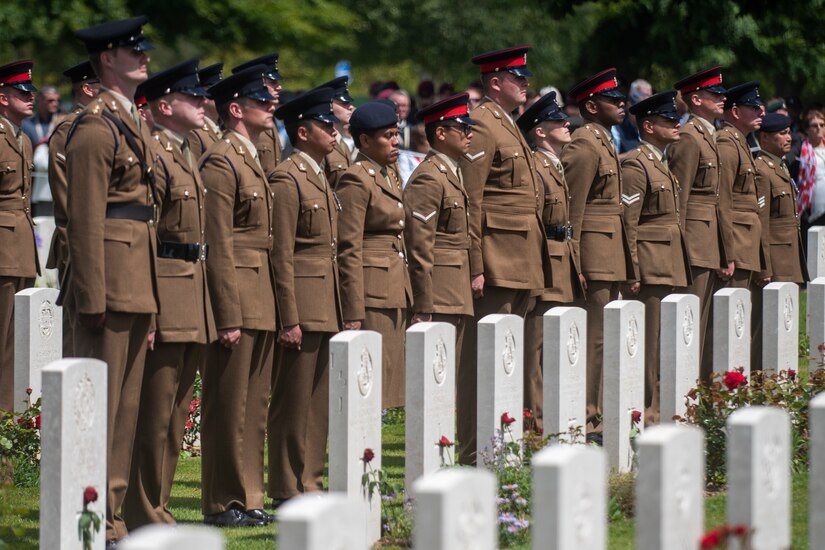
pixel 270 61
pixel 312 105
pixel 182 78
pixel 775 122
pixel 124 33
pixel 373 116
pixel 80 73
pixel 248 82
pixel 545 108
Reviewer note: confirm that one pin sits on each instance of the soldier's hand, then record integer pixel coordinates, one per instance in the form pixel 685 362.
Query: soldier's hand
pixel 583 281
pixel 94 321
pixel 230 337
pixel 634 288
pixel 352 325
pixel 764 281
pixel 152 340
pixel 726 273
pixel 477 285
pixel 291 337
pixel 421 318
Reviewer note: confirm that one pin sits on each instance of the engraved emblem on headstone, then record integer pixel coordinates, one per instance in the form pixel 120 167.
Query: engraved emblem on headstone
pixel 470 523
pixel 46 319
pixel 787 310
pixel 771 469
pixel 84 405
pixel 682 494
pixel 632 339
pixel 687 326
pixel 573 344
pixel 821 253
pixel 583 525
pixel 364 374
pixel 508 356
pixel 440 361
pixel 739 318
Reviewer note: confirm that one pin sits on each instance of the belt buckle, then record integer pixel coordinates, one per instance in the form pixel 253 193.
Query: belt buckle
pixel 155 215
pixel 568 232
pixel 202 251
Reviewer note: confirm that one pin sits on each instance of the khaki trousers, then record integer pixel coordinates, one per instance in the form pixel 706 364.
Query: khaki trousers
pixel 651 296
pixel 236 387
pixel 705 284
pixel 121 344
pixel 168 381
pixel 533 364
pixel 391 324
pixel 9 286
pixel 756 325
pixel 599 294
pixel 299 417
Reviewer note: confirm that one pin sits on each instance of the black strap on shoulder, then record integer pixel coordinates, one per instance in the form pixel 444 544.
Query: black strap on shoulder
pixel 168 178
pixel 77 120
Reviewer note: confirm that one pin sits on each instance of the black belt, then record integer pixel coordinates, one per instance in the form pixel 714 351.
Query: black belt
pixel 559 232
pixel 191 252
pixel 131 211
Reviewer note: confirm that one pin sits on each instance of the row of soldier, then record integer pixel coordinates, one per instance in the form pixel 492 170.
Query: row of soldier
pixel 192 245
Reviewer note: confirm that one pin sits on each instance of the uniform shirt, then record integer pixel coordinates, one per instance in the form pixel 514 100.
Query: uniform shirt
pixel 18 253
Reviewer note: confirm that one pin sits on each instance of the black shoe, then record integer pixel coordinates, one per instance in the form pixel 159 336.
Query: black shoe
pixel 260 515
pixel 594 437
pixel 232 518
pixel 111 544
pixel 278 502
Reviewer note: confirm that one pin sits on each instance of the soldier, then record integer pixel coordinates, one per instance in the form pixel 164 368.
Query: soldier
pixel 436 230
pixel 652 218
pixel 237 377
pixel 375 285
pixel 269 146
pixel 599 242
pixel 18 255
pixel 507 243
pixel 304 257
pixel 547 129
pixel 185 324
pixel 111 236
pixel 780 221
pixel 694 161
pixel 340 158
pixel 85 87
pixel 202 138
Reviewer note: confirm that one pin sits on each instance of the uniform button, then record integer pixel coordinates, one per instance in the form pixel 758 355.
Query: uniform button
pixel 315 206
pixel 400 254
pixel 401 223
pixel 186 194
pixel 455 203
pixel 400 205
pixel 255 194
pixel 399 235
pixel 710 164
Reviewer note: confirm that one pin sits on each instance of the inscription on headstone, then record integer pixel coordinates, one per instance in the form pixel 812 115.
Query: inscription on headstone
pixel 565 370
pixel 38 339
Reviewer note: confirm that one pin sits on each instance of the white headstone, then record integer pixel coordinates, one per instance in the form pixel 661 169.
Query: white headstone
pixel 355 418
pixel 624 379
pixel 430 399
pixel 73 449
pixel 455 508
pixel 816 252
pixel 759 475
pixel 816 477
pixel 815 316
pixel 780 327
pixel 680 339
pixel 565 370
pixel 322 521
pixel 44 228
pixel 38 339
pixel 500 379
pixel 732 330
pixel 670 487
pixel 570 498
pixel 173 537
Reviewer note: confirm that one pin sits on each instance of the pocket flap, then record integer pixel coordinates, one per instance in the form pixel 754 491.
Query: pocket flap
pixel 181 193
pixel 8 219
pixel 308 205
pixel 246 257
pixel 598 225
pixel 450 257
pixel 452 202
pixel 606 170
pixel 706 163
pixel 310 267
pixel 511 152
pixel 8 166
pixel 505 222
pixel 249 193
pixel 778 191
pixel 175 268
pixel 118 230
pixel 376 261
pixel 701 214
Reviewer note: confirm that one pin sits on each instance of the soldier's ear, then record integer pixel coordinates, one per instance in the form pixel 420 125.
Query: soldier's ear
pixel 4 97
pixel 591 106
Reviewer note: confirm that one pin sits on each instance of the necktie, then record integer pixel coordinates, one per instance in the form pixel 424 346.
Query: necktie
pixel 19 136
pixel 187 152
pixel 135 115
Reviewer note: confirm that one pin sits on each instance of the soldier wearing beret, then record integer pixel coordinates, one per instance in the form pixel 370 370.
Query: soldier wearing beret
pixel 112 239
pixel 304 257
pixel 340 158
pixel 269 146
pixel 652 217
pixel 507 244
pixel 546 128
pixel 202 138
pixel 694 161
pixel 237 377
pixel 375 285
pixel 18 255
pixel 185 323
pixel 595 182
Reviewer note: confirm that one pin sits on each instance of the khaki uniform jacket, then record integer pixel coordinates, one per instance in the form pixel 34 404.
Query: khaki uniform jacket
pixel 186 308
pixel 563 260
pixel 438 239
pixel 112 260
pixel 652 220
pixel 239 233
pixel 371 253
pixel 336 163
pixel 59 249
pixel 786 256
pixel 305 247
pixel 202 138
pixel 270 150
pixel 694 160
pixel 594 179
pixel 506 202
pixel 739 201
pixel 18 252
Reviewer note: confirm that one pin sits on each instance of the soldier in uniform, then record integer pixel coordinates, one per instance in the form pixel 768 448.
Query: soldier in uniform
pixel 546 128
pixel 694 161
pixel 652 217
pixel 340 158
pixel 18 254
pixel 270 150
pixel 185 324
pixel 437 231
pixel 237 377
pixel 202 138
pixel 595 182
pixel 375 285
pixel 304 257
pixel 85 87
pixel 507 243
pixel 112 239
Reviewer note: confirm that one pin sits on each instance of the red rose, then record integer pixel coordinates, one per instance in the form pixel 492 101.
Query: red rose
pixel 734 379
pixel 710 540
pixel 636 417
pixel 37 422
pixel 740 530
pixel 506 419
pixel 89 495
pixel 369 454
pixel 444 442
pixel 29 391
pixel 791 374
pixel 527 413
pixel 189 424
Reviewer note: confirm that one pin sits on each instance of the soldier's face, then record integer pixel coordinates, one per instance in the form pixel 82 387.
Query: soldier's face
pixel 514 88
pixel 776 143
pixel 321 136
pixel 712 102
pixel 664 130
pixel 342 111
pixel 17 103
pixel 257 114
pixel 382 145
pixel 129 63
pixel 610 109
pixel 456 139
pixel 188 110
pixel 750 116
pixel 557 131
pixel 274 87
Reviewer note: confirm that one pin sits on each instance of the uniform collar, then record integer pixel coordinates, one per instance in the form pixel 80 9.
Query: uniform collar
pixel 124 101
pixel 174 137
pixel 381 169
pixel 706 124
pixel 15 129
pixel 452 163
pixel 309 160
pixel 779 161
pixel 506 114
pixel 551 155
pixel 658 153
pixel 211 125
pixel 249 145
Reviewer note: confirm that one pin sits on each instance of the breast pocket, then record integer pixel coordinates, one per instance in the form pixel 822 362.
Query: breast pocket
pixel 706 173
pixel 250 208
pixel 782 203
pixel 515 167
pixel 9 175
pixel 660 201
pixel 180 210
pixel 312 217
pixel 745 181
pixel 453 217
pixel 376 277
pixel 604 184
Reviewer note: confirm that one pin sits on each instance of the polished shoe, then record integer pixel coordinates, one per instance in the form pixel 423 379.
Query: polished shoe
pixel 278 502
pixel 260 515
pixel 111 544
pixel 594 437
pixel 232 518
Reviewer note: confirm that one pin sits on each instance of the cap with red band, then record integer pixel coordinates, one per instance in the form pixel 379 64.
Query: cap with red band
pixel 18 75
pixel 513 60
pixel 604 83
pixel 452 108
pixel 707 79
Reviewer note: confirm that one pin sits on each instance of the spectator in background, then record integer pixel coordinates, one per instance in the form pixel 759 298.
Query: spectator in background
pixel 475 93
pixel 626 135
pixel 425 93
pixel 39 126
pixel 445 91
pixel 375 88
pixel 571 109
pixel 402 107
pixel 811 169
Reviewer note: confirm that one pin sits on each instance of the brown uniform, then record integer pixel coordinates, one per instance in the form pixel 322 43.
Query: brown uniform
pixel 660 259
pixel 112 248
pixel 336 163
pixel 202 139
pixel 18 254
pixel 304 256
pixel 566 286
pixel 236 382
pixel 184 326
pixel 594 178
pixel 270 151
pixel 375 285
pixel 694 161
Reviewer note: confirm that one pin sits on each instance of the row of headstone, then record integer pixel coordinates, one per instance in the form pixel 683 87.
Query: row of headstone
pixel 38 340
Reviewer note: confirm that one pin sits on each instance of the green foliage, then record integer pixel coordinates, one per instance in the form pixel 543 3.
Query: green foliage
pixel 20 446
